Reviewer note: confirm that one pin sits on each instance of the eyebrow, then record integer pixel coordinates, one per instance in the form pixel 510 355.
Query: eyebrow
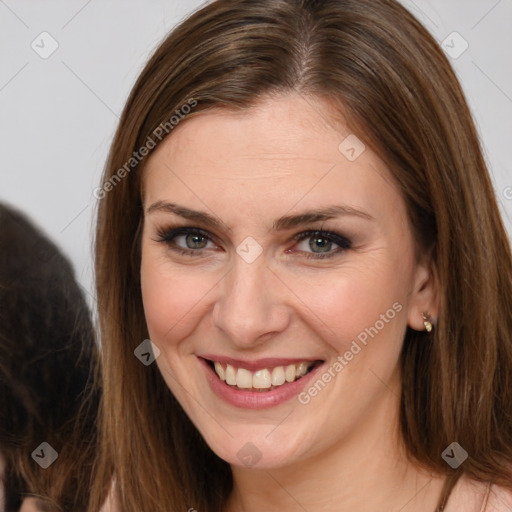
pixel 203 217
pixel 281 224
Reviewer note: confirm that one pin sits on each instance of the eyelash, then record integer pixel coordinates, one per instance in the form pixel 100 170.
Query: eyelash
pixel 167 236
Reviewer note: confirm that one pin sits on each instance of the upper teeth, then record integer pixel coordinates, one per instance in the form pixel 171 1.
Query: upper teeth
pixel 261 379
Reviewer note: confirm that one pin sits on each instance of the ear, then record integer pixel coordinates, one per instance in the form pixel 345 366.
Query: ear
pixel 424 295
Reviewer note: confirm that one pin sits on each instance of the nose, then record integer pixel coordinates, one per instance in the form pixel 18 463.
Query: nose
pixel 252 305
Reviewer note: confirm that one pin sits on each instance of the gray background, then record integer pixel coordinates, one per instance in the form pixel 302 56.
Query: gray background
pixel 58 114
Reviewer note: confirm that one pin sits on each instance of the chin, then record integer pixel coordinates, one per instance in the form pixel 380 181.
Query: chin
pixel 259 447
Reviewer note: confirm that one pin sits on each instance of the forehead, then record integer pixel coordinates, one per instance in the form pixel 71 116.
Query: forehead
pixel 277 128
pixel 283 150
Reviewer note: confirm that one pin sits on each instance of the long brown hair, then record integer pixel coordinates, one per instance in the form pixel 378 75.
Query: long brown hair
pixel 376 64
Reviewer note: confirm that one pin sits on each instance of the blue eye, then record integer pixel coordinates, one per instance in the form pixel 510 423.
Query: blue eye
pixel 193 240
pixel 317 244
pixel 321 243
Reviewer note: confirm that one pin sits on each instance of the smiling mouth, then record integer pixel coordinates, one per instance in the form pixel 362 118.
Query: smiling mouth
pixel 264 380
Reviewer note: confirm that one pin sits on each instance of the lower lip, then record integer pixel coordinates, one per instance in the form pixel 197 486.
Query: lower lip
pixel 256 399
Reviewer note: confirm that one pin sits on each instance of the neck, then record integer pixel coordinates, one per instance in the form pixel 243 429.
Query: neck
pixel 359 473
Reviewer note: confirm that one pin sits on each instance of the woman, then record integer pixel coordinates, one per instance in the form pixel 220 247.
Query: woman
pixel 297 214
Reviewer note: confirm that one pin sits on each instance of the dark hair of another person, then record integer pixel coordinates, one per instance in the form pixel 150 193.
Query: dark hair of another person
pixel 47 359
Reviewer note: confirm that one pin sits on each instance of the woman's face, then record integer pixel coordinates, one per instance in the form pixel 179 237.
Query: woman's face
pixel 275 246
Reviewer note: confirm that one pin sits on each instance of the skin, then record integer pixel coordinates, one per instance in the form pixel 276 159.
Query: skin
pixel 29 505
pixel 247 169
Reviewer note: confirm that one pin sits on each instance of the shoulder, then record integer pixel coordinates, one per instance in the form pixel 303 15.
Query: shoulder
pixel 500 500
pixel 473 496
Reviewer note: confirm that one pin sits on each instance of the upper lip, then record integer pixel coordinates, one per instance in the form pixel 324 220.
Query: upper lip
pixel 258 364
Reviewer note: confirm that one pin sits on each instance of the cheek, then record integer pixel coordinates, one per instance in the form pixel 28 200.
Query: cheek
pixel 172 299
pixel 354 303
pixel 338 305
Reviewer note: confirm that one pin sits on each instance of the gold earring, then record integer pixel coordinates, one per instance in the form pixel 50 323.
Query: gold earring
pixel 426 321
